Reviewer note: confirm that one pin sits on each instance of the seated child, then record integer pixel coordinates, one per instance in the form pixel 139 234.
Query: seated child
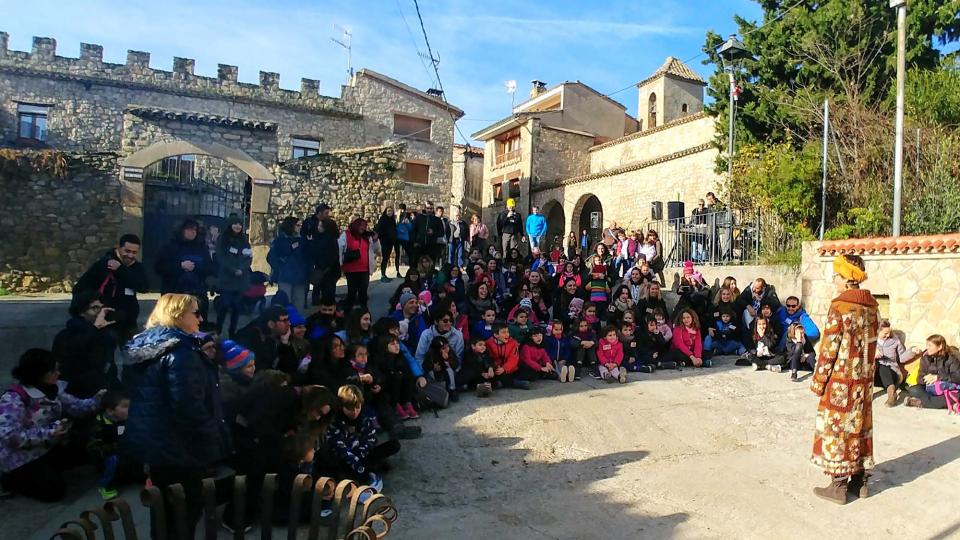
pixel 521 326
pixel 761 356
pixel 534 361
pixel 351 443
pixel 654 348
pixel 725 341
pixel 505 354
pixel 796 350
pixel 610 356
pixel 440 365
pixel 622 303
pixel 558 349
pixel 478 367
pixel 584 342
pixel 104 445
pixel 484 327
pixel 663 324
pixel 631 349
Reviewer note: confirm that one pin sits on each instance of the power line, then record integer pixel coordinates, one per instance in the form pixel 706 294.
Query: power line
pixel 413 40
pixel 433 60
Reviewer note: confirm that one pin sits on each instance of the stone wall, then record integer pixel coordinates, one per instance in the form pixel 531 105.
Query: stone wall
pixel 915 279
pixel 55 227
pixel 561 154
pixel 693 130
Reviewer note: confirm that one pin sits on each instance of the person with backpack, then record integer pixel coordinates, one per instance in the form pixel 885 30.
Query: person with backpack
pixel 35 421
pixel 118 276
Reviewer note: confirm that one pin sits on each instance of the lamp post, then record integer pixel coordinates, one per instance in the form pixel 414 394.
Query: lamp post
pixel 732 52
pixel 901 7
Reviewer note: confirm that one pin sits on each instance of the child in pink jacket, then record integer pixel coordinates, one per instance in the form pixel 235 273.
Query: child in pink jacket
pixel 610 356
pixel 688 342
pixel 534 361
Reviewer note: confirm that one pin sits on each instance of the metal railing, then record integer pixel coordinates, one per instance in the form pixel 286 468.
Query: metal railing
pixel 712 238
pixel 506 156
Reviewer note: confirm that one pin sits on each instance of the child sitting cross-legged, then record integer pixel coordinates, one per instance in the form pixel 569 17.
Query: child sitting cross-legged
pixel 477 363
pixel 505 354
pixel 724 340
pixel 610 356
pixel 761 356
pixel 351 445
pixel 654 348
pixel 440 365
pixel 534 361
pixel 558 349
pixel 632 359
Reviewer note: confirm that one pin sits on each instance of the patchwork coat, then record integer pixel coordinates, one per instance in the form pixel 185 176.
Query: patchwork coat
pixel 843 378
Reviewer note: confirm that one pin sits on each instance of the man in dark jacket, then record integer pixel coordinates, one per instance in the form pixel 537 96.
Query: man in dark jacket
pixel 750 300
pixel 509 228
pixel 118 277
pixel 423 233
pixel 321 233
pixel 266 336
pixel 85 348
pixel 184 265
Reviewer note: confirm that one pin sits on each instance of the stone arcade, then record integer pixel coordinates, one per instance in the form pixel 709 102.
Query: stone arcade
pixel 145 148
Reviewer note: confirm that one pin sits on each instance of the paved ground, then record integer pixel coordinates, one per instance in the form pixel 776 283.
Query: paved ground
pixel 719 453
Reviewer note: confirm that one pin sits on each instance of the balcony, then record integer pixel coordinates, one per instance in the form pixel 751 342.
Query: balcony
pixel 506 157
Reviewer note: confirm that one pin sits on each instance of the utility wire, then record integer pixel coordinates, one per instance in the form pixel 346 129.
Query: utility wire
pixel 414 41
pixel 443 94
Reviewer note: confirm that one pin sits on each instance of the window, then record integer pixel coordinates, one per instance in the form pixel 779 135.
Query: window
pixel 417 173
pixel 32 122
pixel 174 168
pixel 498 192
pixel 411 127
pixel 305 148
pixel 514 188
pixel 683 108
pixel 652 115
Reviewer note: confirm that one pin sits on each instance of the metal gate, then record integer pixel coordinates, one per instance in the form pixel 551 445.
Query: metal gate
pixel 201 187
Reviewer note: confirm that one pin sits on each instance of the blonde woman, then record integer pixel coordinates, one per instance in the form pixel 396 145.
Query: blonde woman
pixel 176 422
pixel 843 378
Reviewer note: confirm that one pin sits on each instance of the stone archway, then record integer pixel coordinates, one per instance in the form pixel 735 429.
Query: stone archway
pixel 556 221
pixel 588 215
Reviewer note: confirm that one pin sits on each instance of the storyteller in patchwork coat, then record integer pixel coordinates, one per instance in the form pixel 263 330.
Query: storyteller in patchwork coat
pixel 843 378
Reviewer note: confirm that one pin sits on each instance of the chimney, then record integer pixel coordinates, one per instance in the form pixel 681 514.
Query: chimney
pixel 537 88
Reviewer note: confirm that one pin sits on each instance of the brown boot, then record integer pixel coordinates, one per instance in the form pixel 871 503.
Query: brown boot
pixel 836 492
pixel 891 396
pixel 858 484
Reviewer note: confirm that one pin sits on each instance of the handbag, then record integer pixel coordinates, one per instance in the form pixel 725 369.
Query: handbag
pixel 350 255
pixel 436 395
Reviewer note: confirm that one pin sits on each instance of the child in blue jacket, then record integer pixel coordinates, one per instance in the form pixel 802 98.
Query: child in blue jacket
pixel 558 349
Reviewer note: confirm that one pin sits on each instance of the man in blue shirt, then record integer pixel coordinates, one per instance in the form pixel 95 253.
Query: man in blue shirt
pixel 536 227
pixel 792 312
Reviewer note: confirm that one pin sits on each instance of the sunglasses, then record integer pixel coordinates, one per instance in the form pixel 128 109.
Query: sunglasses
pixel 793 306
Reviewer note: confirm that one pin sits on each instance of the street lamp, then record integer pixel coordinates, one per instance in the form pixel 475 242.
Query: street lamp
pixel 732 52
pixel 901 7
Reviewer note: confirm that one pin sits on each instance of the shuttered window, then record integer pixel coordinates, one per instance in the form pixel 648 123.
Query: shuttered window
pixel 411 127
pixel 417 173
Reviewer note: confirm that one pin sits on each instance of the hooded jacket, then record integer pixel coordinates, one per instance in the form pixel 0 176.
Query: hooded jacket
pixel 173 278
pixel 176 415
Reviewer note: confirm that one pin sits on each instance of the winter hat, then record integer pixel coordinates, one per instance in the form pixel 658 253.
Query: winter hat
pixel 526 303
pixel 576 306
pixel 296 319
pixel 425 297
pixel 511 203
pixel 599 269
pixel 235 356
pixel 406 297
pixel 688 268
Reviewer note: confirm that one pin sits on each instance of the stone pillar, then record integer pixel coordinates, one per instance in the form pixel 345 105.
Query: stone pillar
pixel 138 60
pixel 309 88
pixel 44 49
pixel 183 66
pixel 269 81
pixel 91 53
pixel 227 74
pixel 4 43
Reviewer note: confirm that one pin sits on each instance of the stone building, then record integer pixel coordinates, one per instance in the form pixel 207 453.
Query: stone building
pixel 466 185
pixel 584 161
pixel 172 144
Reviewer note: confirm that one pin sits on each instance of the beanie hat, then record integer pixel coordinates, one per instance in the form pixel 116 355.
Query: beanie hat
pixel 599 269
pixel 526 303
pixel 296 319
pixel 235 356
pixel 688 268
pixel 406 297
pixel 425 297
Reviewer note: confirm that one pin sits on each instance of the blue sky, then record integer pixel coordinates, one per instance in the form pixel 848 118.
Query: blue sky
pixel 608 45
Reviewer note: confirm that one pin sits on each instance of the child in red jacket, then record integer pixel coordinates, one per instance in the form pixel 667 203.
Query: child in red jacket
pixel 534 361
pixel 505 354
pixel 687 341
pixel 610 356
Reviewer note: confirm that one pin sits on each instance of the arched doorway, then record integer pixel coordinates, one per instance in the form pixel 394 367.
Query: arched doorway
pixel 190 186
pixel 588 216
pixel 556 222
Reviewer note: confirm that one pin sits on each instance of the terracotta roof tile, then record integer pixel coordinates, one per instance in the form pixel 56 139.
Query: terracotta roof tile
pixel 939 243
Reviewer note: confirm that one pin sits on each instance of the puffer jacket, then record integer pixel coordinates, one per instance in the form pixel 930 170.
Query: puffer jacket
pixel 176 415
pixel 27 422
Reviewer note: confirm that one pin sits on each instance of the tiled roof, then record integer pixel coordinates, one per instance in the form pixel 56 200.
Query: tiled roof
pixel 199 118
pixel 673 67
pixel 470 149
pixel 902 245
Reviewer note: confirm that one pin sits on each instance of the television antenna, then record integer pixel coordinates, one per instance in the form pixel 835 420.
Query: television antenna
pixel 347 43
pixel 512 90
